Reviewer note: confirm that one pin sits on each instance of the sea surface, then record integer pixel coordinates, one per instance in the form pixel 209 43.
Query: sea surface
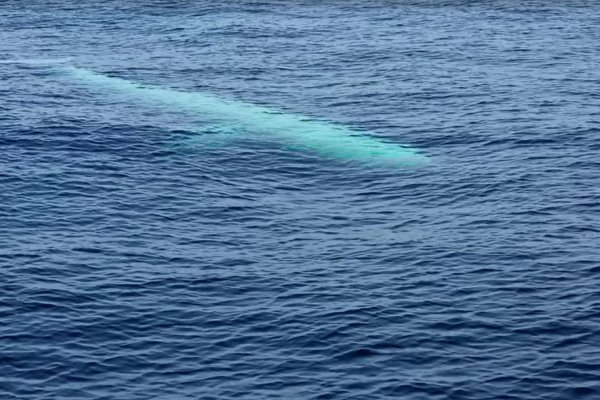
pixel 132 268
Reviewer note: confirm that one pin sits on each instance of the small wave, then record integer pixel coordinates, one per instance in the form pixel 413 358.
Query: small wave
pixel 36 61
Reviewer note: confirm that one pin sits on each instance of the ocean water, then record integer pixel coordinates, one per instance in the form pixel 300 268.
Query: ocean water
pixel 132 267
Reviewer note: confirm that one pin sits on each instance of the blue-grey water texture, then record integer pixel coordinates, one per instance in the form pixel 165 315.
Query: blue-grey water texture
pixel 134 267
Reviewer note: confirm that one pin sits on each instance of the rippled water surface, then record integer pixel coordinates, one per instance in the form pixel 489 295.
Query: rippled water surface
pixel 135 267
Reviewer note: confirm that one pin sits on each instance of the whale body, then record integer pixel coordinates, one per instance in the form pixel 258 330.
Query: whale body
pixel 229 116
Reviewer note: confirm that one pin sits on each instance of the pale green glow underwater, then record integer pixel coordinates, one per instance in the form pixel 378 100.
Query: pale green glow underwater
pixel 324 138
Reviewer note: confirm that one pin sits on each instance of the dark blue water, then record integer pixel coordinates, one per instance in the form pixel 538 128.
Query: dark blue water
pixel 134 269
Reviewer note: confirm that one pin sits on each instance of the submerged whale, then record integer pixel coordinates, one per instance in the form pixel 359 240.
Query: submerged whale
pixel 233 118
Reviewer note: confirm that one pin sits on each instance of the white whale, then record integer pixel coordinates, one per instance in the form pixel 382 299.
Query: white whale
pixel 228 116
